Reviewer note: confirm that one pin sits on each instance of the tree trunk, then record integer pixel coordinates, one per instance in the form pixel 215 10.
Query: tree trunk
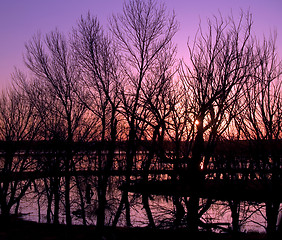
pixel 272 210
pixel 127 210
pixel 102 201
pixel 119 210
pixel 49 206
pixel 192 215
pixel 68 161
pixel 101 189
pixel 129 164
pixel 82 205
pixel 38 208
pixel 145 200
pixel 67 192
pixel 56 199
pixel 195 178
pixel 179 211
pixel 235 211
pixel 17 207
pixel 123 202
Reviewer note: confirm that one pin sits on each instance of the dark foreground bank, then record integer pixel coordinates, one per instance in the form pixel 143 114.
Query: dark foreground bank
pixel 13 228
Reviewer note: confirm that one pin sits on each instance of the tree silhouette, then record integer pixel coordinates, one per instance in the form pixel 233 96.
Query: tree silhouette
pixel 52 63
pixel 18 125
pixel 220 63
pixel 112 107
pixel 142 33
pixel 260 120
pixel 96 55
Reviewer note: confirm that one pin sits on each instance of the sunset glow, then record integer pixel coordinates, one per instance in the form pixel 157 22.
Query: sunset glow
pixel 139 118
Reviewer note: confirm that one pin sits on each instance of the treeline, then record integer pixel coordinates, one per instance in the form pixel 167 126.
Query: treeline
pixel 125 84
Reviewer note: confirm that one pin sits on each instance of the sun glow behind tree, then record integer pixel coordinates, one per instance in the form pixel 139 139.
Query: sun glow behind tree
pixel 123 87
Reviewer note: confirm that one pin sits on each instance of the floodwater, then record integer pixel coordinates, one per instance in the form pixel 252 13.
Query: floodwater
pixel 252 216
pixel 33 206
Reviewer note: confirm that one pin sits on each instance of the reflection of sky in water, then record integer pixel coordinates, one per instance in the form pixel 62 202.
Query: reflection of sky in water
pixel 252 216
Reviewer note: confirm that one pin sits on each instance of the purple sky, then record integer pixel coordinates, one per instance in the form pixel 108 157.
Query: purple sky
pixel 21 19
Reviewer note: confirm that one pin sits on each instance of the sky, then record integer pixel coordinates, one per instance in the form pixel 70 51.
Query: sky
pixel 21 19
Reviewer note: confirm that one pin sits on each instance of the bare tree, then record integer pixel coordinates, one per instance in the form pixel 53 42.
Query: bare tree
pixel 52 132
pixel 220 63
pixel 18 127
pixel 181 128
pixel 96 56
pixel 261 118
pixel 141 33
pixel 260 122
pixel 52 63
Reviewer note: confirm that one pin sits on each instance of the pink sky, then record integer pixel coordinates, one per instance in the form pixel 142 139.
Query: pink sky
pixel 21 19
